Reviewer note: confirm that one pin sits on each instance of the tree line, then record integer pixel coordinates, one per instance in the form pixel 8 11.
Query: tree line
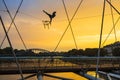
pixel 73 52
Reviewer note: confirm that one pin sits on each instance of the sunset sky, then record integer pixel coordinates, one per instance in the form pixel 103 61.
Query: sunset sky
pixel 86 24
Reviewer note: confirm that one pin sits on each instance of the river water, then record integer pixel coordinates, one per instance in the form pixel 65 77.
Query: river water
pixel 63 74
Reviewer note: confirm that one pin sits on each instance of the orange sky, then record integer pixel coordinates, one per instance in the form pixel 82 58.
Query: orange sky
pixel 86 24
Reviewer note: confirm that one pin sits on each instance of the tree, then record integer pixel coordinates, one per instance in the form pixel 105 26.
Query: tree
pixel 91 52
pixel 7 50
pixel 116 52
pixel 103 52
pixel 75 52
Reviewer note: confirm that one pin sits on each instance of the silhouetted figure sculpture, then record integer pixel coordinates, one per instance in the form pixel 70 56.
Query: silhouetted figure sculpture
pixel 46 23
pixel 51 16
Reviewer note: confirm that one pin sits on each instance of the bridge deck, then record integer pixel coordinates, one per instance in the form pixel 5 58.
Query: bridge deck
pixel 57 64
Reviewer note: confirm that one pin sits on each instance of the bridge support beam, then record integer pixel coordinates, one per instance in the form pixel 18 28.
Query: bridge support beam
pixel 87 76
pixel 39 76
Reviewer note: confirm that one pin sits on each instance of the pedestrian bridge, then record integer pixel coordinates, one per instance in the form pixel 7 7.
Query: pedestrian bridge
pixel 33 64
pixel 38 50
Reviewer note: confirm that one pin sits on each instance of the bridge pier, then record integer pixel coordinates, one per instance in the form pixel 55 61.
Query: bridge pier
pixel 39 76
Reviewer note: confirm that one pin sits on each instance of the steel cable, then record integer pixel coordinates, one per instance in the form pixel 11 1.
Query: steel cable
pixel 16 60
pixel 68 25
pixel 113 22
pixel 6 32
pixel 100 40
pixel 10 27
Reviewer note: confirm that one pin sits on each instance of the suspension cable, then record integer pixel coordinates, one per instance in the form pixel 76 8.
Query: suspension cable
pixel 19 68
pixel 113 7
pixel 29 15
pixel 11 25
pixel 100 40
pixel 114 25
pixel 111 30
pixel 87 17
pixel 68 25
pixel 113 22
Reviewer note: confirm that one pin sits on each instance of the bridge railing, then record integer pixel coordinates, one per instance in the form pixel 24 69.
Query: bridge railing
pixel 58 63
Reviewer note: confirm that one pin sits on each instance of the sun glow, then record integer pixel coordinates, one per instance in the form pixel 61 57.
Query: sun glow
pixel 85 25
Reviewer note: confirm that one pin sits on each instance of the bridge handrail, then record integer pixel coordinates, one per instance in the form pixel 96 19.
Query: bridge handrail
pixel 58 57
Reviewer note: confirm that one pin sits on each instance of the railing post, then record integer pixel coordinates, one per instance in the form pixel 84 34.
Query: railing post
pixel 39 76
